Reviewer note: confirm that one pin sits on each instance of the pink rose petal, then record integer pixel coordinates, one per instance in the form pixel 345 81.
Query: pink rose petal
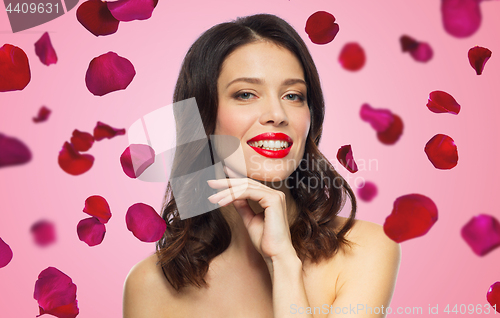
pixel 413 215
pixel 136 158
pixel 442 102
pixel 419 51
pixel 56 294
pixel 82 141
pixel 442 152
pixel 344 156
pixel 379 119
pixel 72 162
pixel 43 115
pixel 44 233
pixel 461 18
pixel 482 233
pixel 102 131
pixel 94 15
pixel 15 71
pixel 493 296
pixel 108 73
pixel 128 10
pixel 13 151
pixel 143 221
pixel 98 206
pixel 5 253
pixel 392 134
pixel 352 57
pixel 321 27
pixel 368 191
pixel 91 231
pixel 45 51
pixel 478 56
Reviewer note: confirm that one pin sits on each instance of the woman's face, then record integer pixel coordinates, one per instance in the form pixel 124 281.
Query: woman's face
pixel 262 97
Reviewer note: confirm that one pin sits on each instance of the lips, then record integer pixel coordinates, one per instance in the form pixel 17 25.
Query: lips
pixel 272 153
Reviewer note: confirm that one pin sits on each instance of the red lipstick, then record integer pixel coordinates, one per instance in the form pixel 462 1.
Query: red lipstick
pixel 272 153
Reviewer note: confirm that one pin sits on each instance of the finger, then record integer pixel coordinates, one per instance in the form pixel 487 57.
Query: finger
pixel 226 196
pixel 244 210
pixel 225 183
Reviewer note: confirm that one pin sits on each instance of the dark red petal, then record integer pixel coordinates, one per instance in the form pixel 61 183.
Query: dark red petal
pixel 493 296
pixel 422 53
pixel 44 232
pixel 5 253
pixel 368 191
pixel 478 56
pixel 408 44
pixel 442 151
pixel 91 231
pixel 102 131
pixel 15 71
pixel 72 162
pixel 442 102
pixel 136 158
pixel 392 133
pixel 43 115
pixel 45 51
pixel 82 141
pixel 143 221
pixel 321 27
pixel 98 206
pixel 108 73
pixel 56 294
pixel 94 15
pixel 13 151
pixel 379 119
pixel 352 57
pixel 344 156
pixel 413 215
pixel 482 233
pixel 128 10
pixel 461 18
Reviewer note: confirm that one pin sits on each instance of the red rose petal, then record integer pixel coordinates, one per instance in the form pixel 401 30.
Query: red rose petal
pixel 379 119
pixel 368 191
pixel 344 156
pixel 108 73
pixel 392 133
pixel 143 221
pixel 91 231
pixel 478 56
pixel 493 296
pixel 482 233
pixel 442 151
pixel 45 51
pixel 15 71
pixel 44 233
pixel 461 18
pixel 412 216
pixel 442 102
pixel 128 10
pixel 5 253
pixel 13 151
pixel 81 141
pixel 352 56
pixel 321 27
pixel 136 158
pixel 72 162
pixel 56 294
pixel 94 15
pixel 419 51
pixel 98 206
pixel 43 115
pixel 102 131
pixel 408 43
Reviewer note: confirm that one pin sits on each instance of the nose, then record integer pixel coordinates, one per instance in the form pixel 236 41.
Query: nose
pixel 274 113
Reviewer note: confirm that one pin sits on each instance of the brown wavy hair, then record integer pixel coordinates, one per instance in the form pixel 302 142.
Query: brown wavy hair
pixel 189 245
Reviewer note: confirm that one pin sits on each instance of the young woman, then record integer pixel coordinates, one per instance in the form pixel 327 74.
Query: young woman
pixel 275 246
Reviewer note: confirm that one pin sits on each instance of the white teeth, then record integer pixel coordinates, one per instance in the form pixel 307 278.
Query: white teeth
pixel 266 143
pixel 270 144
pixel 260 143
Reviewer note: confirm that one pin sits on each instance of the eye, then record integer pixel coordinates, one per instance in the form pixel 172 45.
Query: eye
pixel 244 95
pixel 295 97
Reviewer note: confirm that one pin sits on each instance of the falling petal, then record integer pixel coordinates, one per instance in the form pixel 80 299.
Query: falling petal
pixel 352 57
pixel 493 296
pixel 344 156
pixel 419 51
pixel 15 71
pixel 478 56
pixel 98 206
pixel 380 119
pixel 91 231
pixel 143 221
pixel 128 10
pixel 45 51
pixel 102 131
pixel 108 73
pixel 482 233
pixel 461 18
pixel 442 151
pixel 72 162
pixel 413 215
pixel 442 102
pixel 94 15
pixel 392 133
pixel 408 43
pixel 321 27
pixel 13 151
pixel 43 115
pixel 5 253
pixel 136 158
pixel 44 233
pixel 368 191
pixel 82 141
pixel 56 294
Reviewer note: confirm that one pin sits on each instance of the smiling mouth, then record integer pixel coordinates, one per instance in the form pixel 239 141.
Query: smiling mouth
pixel 272 145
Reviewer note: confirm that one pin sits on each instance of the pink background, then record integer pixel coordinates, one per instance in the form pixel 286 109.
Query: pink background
pixel 438 268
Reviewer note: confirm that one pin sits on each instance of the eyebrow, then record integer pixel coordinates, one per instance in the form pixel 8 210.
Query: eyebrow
pixel 253 80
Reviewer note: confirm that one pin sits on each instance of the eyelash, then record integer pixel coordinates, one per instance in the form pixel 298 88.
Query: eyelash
pixel 299 96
